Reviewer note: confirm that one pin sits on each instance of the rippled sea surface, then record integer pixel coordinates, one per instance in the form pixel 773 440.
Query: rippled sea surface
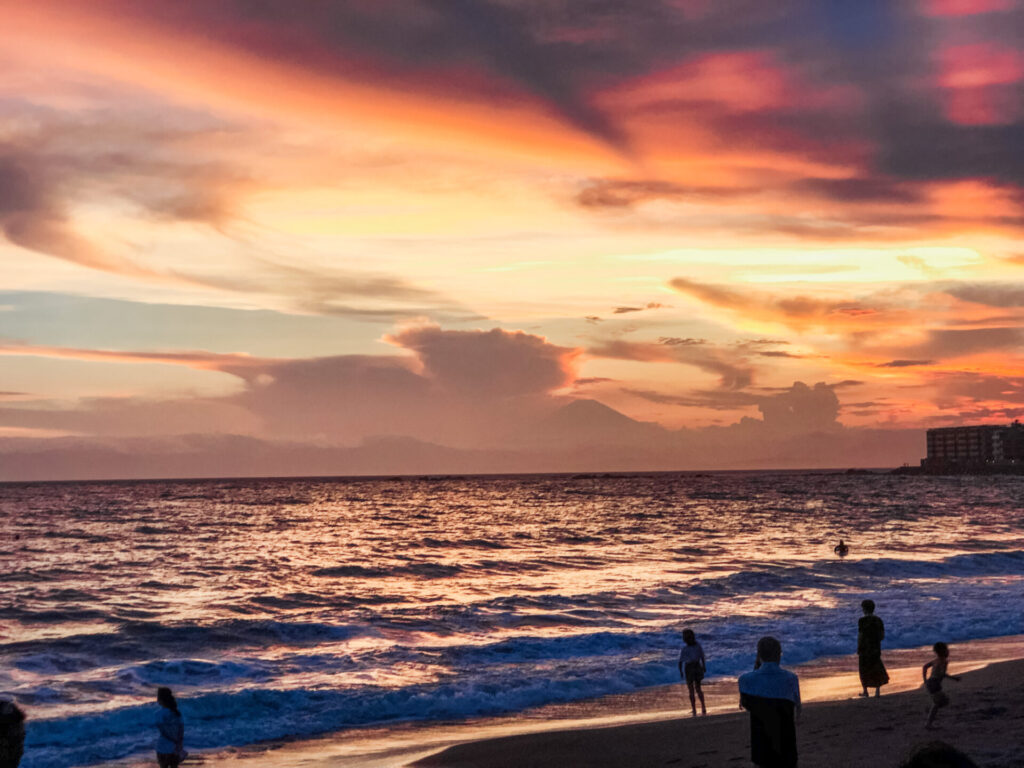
pixel 290 607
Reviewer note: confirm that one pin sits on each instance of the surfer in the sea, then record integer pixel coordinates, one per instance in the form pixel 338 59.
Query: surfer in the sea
pixel 841 549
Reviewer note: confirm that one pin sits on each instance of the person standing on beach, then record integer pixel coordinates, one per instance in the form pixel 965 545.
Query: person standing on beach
pixel 870 633
pixel 12 734
pixel 933 682
pixel 692 667
pixel 170 743
pixel 772 696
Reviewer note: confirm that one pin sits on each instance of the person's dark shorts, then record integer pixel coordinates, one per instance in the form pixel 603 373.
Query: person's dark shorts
pixel 693 671
pixel 165 760
pixel 934 688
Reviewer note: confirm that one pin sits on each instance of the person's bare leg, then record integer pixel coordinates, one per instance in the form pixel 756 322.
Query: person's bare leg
pixel 700 694
pixel 878 691
pixel 931 717
pixel 864 692
pixel 693 700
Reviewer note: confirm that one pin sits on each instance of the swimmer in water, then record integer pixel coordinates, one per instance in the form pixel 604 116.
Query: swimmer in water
pixel 841 549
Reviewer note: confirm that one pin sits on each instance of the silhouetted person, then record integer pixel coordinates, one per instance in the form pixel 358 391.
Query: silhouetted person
pixel 870 633
pixel 933 682
pixel 772 696
pixel 12 734
pixel 937 754
pixel 692 667
pixel 841 549
pixel 170 742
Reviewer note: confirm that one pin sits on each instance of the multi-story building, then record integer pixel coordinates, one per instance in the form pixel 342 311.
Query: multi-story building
pixel 979 446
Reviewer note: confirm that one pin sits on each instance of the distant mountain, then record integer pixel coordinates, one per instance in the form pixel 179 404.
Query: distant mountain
pixel 588 421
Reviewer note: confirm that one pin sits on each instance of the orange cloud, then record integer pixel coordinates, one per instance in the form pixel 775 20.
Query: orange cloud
pixel 730 366
pixel 207 64
pixel 798 312
pixel 243 366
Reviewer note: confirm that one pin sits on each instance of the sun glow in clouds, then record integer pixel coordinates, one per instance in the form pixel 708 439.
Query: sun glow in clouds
pixel 691 227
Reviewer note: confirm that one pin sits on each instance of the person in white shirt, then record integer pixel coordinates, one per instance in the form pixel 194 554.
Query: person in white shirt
pixel 692 667
pixel 772 696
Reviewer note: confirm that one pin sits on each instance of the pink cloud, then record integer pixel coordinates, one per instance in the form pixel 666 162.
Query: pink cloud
pixel 980 83
pixel 965 7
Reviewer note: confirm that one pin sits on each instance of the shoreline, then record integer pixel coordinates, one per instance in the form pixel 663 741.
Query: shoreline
pixel 985 721
pixel 656 712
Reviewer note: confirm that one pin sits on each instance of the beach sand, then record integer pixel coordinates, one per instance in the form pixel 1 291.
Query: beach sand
pixel 985 720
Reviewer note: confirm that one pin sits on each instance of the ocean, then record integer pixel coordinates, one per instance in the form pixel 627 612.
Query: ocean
pixel 293 607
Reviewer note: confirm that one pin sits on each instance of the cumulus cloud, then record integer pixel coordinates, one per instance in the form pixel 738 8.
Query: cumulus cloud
pixel 491 390
pixel 801 409
pixel 798 428
pixel 494 363
pixel 461 387
pixel 798 408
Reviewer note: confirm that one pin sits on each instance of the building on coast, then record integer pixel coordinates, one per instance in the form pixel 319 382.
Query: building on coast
pixel 985 447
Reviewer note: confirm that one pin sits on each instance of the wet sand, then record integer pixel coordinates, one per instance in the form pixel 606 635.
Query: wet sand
pixel 985 720
pixel 648 727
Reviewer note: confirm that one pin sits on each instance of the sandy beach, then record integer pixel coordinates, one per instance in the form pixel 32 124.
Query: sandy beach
pixel 985 720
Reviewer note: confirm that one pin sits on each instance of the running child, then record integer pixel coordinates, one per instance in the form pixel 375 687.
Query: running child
pixel 933 682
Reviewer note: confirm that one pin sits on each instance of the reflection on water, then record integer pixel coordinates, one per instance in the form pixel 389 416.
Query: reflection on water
pixel 292 606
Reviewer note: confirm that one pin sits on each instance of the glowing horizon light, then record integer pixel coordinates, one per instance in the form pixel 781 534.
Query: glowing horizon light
pixel 693 227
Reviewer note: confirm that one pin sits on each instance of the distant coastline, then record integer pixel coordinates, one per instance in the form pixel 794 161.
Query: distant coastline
pixel 955 471
pixel 437 477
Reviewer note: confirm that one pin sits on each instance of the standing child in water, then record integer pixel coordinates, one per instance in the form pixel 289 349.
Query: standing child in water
pixel 933 682
pixel 692 667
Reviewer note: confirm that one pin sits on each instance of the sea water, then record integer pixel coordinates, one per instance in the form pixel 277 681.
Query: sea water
pixel 277 608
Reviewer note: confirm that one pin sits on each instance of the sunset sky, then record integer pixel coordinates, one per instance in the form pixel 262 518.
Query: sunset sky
pixel 380 226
